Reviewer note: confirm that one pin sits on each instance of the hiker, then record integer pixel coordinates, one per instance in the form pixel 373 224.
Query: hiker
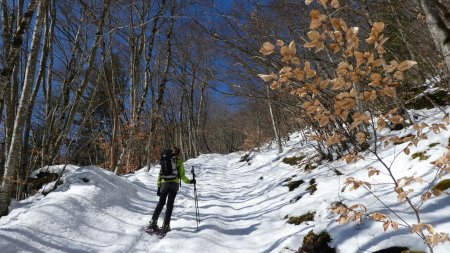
pixel 168 185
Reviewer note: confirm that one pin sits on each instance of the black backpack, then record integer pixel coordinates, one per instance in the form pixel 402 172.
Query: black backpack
pixel 169 169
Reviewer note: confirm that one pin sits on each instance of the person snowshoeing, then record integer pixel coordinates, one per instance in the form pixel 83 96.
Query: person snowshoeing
pixel 169 181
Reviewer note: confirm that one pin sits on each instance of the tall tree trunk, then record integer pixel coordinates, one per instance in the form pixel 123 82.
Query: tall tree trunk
pixel 10 63
pixel 47 87
pixel 12 161
pixel 437 14
pixel 274 123
pixel 26 154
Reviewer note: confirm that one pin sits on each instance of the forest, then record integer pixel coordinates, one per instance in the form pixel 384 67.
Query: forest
pixel 111 83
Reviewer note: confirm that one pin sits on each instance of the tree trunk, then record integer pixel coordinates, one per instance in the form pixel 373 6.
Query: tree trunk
pixel 12 161
pixel 437 14
pixel 47 86
pixel 274 123
pixel 26 154
pixel 14 52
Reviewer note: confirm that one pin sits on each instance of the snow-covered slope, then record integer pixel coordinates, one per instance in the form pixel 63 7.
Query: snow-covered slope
pixel 243 205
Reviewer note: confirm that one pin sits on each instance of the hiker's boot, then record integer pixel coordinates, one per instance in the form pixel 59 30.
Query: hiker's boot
pixel 152 227
pixel 165 228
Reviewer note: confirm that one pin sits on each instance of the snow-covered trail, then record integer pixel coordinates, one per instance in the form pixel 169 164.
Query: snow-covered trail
pixel 239 210
pixel 97 211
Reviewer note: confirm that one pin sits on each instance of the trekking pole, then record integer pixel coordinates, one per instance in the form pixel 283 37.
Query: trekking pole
pixel 197 213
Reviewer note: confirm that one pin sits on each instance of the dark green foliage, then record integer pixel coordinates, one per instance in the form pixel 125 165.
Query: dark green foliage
pixel 297 220
pixel 420 155
pixel 292 185
pixel 442 185
pixel 313 243
pixel 293 160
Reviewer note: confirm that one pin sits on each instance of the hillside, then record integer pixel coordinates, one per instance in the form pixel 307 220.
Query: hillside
pixel 244 205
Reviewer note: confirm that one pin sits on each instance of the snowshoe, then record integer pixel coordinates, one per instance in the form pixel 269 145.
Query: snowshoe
pixel 152 231
pixel 163 231
pixel 152 228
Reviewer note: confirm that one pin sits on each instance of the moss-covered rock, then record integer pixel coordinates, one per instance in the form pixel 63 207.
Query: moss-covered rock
pixel 420 155
pixel 297 220
pixel 442 185
pixel 433 144
pixel 313 243
pixel 310 167
pixel 293 160
pixel 292 185
pixel 312 186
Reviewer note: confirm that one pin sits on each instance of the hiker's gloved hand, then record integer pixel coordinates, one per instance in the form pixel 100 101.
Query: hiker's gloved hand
pixel 192 181
pixel 159 191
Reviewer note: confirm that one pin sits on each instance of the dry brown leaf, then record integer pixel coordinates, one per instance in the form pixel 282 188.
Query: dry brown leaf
pixel 378 27
pixel 268 78
pixel 335 4
pixel 407 151
pixel 378 63
pixel 295 60
pixel 361 137
pixel 373 171
pixel 299 74
pixel 292 48
pixel 397 119
pixel 398 75
pixel 280 43
pixel 267 48
pixel 377 216
pixel 404 65
pixel 309 72
pixel 284 51
pixel 388 91
pixel 416 228
pixel 386 225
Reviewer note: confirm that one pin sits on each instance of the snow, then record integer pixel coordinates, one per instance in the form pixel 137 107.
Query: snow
pixel 243 205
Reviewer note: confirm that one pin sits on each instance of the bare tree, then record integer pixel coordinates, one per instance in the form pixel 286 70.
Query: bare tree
pixel 12 161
